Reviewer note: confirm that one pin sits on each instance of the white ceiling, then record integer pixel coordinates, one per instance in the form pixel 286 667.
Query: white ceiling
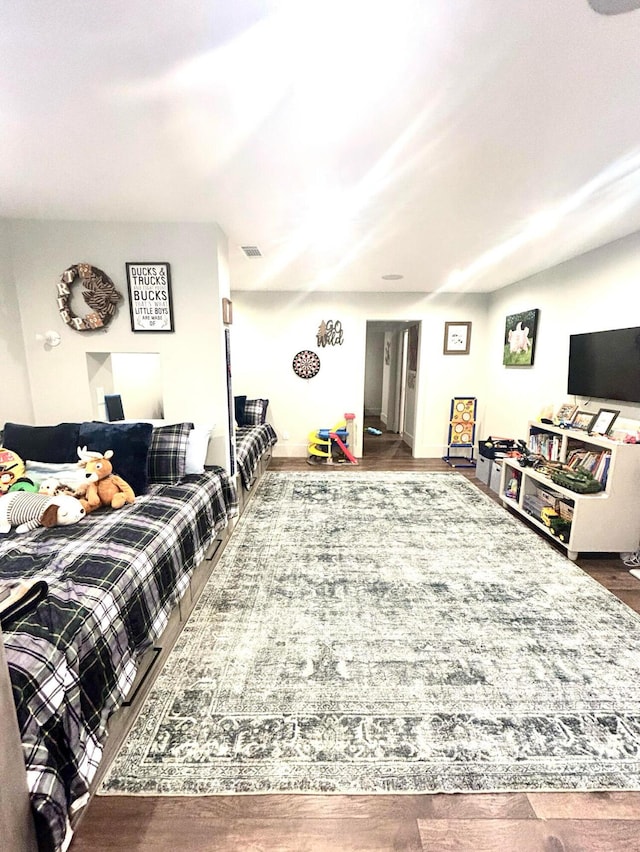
pixel 463 144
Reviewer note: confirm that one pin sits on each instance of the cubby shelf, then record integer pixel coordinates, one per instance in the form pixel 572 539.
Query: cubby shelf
pixel 605 522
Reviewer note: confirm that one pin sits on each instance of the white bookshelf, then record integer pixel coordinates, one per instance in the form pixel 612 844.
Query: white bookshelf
pixel 605 522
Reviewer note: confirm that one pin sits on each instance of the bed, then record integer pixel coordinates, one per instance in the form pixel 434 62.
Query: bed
pixel 113 582
pixel 253 451
pixel 253 439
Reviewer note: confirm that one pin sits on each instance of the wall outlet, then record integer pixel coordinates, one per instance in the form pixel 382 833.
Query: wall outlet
pixel 285 436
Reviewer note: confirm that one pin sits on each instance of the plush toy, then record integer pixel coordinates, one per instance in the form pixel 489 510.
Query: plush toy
pixel 103 488
pixel 52 487
pixel 25 511
pixel 11 469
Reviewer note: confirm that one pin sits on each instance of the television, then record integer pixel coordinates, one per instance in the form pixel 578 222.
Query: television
pixel 605 364
pixel 113 406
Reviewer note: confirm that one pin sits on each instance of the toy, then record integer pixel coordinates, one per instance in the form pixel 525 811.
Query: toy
pixel 103 488
pixel 11 469
pixel 25 511
pixel 52 487
pixel 327 445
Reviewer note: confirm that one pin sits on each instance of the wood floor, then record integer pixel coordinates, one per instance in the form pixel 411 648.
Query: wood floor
pixel 511 822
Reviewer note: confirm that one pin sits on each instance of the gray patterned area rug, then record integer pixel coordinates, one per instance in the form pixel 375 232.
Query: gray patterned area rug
pixel 390 632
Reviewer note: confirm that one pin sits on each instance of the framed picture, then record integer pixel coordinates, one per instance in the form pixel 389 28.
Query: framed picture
pixel 227 311
pixel 150 302
pixel 520 339
pixel 566 412
pixel 457 338
pixel 582 420
pixel 603 421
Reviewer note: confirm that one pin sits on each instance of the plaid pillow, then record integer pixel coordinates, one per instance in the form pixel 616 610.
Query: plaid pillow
pixel 167 453
pixel 255 412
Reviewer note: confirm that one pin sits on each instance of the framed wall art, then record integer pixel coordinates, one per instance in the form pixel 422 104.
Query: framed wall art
pixel 457 338
pixel 520 338
pixel 150 301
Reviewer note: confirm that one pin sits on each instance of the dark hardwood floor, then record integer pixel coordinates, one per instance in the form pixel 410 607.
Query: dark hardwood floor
pixel 509 822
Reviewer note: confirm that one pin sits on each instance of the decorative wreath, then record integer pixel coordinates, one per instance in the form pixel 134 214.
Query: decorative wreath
pixel 98 291
pixel 306 364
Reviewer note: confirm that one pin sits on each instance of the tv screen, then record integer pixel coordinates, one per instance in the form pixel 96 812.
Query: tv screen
pixel 605 364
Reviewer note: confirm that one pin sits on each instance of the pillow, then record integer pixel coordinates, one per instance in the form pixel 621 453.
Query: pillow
pixel 67 473
pixel 130 443
pixel 45 443
pixel 197 448
pixel 255 412
pixel 239 404
pixel 197 444
pixel 168 453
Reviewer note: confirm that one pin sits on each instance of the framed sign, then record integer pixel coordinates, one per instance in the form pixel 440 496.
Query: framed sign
pixel 603 421
pixel 150 302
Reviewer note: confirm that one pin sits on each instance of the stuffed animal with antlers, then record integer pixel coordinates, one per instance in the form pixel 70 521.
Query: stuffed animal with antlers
pixel 103 487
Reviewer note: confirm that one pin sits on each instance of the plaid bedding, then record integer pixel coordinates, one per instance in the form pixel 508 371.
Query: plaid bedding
pixel 113 580
pixel 251 444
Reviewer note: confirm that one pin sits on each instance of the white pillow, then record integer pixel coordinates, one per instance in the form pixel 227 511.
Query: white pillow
pixel 68 473
pixel 197 444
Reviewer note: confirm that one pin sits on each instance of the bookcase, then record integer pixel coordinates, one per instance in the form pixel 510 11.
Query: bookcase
pixel 604 522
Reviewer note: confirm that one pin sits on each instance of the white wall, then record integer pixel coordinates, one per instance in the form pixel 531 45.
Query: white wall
pixel 269 328
pixel 15 400
pixel 193 365
pixel 594 292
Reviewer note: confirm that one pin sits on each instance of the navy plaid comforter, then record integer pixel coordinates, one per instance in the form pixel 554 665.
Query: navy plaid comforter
pixel 113 580
pixel 251 444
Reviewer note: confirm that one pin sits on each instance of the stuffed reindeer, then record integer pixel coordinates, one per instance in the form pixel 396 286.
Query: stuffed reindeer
pixel 103 488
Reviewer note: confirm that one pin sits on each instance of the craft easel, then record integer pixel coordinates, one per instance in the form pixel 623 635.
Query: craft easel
pixel 462 431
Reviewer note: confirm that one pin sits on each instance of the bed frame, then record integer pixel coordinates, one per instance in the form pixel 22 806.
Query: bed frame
pixel 15 808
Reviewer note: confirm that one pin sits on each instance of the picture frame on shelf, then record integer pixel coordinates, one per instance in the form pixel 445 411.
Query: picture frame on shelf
pixel 582 420
pixel 603 421
pixel 457 338
pixel 566 412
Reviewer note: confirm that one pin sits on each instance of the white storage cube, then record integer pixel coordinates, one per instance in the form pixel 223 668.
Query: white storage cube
pixel 483 469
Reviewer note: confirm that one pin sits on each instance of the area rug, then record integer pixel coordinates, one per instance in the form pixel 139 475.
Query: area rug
pixel 390 632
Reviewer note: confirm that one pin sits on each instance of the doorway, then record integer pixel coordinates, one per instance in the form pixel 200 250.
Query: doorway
pixel 390 387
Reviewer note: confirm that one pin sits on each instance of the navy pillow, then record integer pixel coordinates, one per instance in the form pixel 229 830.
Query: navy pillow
pixel 54 444
pixel 239 402
pixel 130 443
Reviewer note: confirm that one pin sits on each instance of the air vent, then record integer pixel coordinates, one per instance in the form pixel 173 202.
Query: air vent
pixel 251 251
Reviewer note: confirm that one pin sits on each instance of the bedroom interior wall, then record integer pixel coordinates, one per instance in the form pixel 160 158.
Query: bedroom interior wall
pixel 15 404
pixel 193 365
pixel 269 328
pixel 593 292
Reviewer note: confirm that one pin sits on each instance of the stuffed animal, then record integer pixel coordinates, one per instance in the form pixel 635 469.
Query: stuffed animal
pixel 11 469
pixel 52 487
pixel 104 488
pixel 25 511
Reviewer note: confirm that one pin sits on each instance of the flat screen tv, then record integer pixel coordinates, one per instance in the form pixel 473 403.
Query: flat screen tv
pixel 605 364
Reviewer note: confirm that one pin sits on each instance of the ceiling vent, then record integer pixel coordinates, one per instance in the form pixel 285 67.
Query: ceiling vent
pixel 251 251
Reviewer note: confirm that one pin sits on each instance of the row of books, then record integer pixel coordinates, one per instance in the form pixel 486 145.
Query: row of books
pixel 596 462
pixel 545 445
